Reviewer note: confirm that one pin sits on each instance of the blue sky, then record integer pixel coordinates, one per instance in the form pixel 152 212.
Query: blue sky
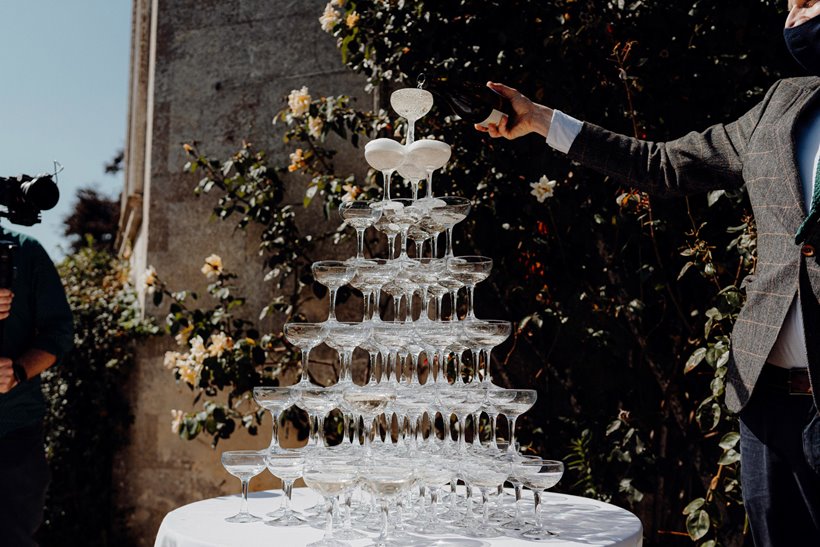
pixel 63 96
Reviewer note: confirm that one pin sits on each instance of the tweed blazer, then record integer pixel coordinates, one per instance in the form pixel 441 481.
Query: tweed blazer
pixel 757 151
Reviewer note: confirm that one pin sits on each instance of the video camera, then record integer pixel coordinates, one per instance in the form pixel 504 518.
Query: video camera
pixel 25 196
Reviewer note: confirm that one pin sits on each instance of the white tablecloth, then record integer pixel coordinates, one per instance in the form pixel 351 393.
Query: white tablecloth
pixel 579 521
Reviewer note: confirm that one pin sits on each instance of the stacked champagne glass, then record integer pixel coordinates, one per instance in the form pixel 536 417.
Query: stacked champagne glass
pixel 412 426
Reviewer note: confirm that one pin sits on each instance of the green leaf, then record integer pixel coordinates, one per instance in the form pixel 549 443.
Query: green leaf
pixel 694 505
pixel 729 457
pixel 694 360
pixel 713 197
pixel 697 524
pixel 729 440
pixel 685 268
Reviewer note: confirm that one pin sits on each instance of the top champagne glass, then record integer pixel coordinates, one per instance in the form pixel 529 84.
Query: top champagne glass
pixel 411 104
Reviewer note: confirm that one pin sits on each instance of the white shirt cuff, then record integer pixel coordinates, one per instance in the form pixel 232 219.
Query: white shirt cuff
pixel 563 130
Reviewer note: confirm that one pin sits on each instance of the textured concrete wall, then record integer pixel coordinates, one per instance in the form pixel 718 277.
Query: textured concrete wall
pixel 214 71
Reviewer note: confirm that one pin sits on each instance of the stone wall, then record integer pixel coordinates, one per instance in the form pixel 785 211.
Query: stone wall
pixel 213 71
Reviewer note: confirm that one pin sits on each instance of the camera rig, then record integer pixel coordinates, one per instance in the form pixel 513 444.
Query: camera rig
pixel 25 196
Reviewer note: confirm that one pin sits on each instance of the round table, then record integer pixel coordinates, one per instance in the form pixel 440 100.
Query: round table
pixel 579 521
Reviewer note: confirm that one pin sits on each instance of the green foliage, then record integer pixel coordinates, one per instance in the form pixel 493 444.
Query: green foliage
pixel 88 416
pixel 624 302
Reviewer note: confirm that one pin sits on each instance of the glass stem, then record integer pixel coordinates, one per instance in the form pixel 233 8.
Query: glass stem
pixel 287 488
pixel 320 425
pixel 243 510
pixel 305 361
pixel 387 174
pixel 538 523
pixel 360 243
pixel 488 378
pixel 424 315
pixel 332 314
pixel 391 246
pixel 493 440
pixel 366 302
pixel 328 518
pixel 419 247
pixel 511 425
pixel 403 253
pixel 383 535
pixel 415 185
pixel 476 375
pixel 470 310
pixel 518 496
pixel 374 309
pixel 454 305
pixel 435 245
pixel 411 132
pixel 439 303
pixel 485 505
pixel 274 440
pixel 429 183
pixel 449 252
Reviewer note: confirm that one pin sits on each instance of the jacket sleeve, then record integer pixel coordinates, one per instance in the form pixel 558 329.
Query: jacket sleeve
pixel 53 320
pixel 696 162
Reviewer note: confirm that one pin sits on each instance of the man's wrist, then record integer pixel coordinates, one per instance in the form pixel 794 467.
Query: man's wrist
pixel 19 372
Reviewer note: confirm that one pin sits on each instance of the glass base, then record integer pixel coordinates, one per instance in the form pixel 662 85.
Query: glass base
pixel 329 542
pixel 290 518
pixel 482 531
pixel 348 534
pixel 538 534
pixel 243 518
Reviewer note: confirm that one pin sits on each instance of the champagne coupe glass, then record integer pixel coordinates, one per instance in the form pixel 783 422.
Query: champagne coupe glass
pixel 425 272
pixel 484 473
pixel 244 465
pixel 418 236
pixel 434 472
pixel 414 174
pixel 539 476
pixel 470 270
pixel 437 292
pixel 274 399
pixel 371 275
pixel 287 465
pixel 405 215
pixel 462 401
pixel 393 337
pixel 318 402
pixel 368 402
pixel 430 154
pixel 485 335
pixel 361 215
pixel 384 155
pixel 330 476
pixel 452 285
pixel 387 226
pixel 429 225
pixel 451 212
pixel 345 337
pixel 305 336
pixel 495 398
pixel 522 401
pixel 333 274
pixel 517 524
pixel 387 479
pixel 411 104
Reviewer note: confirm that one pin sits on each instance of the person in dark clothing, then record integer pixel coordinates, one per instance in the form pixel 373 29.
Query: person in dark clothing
pixel 37 330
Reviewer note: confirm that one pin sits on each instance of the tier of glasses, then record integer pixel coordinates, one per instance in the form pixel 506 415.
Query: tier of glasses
pixel 397 490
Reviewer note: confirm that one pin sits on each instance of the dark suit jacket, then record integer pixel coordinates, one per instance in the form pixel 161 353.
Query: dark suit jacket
pixel 757 151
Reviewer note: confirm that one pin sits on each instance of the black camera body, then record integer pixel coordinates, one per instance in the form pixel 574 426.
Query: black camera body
pixel 25 196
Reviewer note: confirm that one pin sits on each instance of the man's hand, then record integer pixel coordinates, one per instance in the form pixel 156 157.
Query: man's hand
pixel 7 379
pixel 528 117
pixel 6 296
pixel 801 11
